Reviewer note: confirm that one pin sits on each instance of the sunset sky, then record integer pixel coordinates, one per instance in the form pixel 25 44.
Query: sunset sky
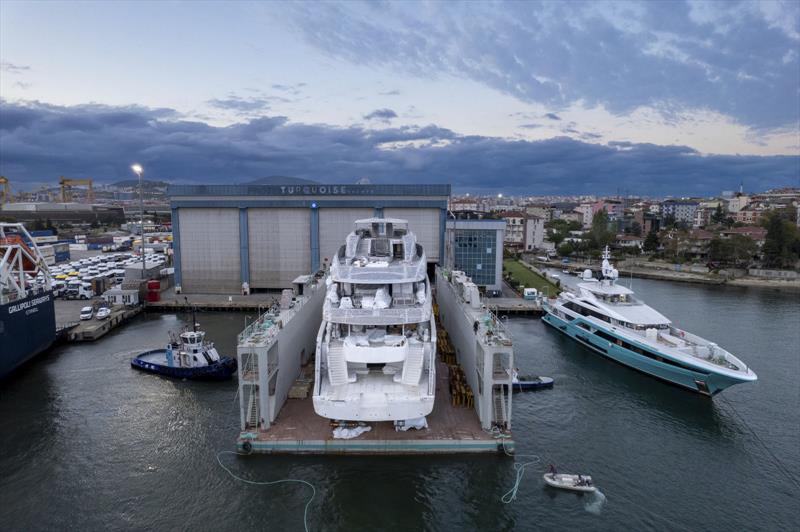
pixel 525 97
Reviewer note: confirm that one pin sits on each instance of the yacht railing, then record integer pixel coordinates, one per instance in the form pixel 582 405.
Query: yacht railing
pixel 490 326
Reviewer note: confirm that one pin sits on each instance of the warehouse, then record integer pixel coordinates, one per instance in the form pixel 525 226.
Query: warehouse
pixel 266 235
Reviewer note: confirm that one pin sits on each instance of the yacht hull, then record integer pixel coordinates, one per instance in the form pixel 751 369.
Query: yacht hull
pixel 705 383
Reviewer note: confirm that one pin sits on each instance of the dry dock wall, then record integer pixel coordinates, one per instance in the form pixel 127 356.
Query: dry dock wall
pixel 279 361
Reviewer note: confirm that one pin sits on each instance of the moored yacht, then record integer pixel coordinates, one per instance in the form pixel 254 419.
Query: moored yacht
pixel 376 346
pixel 610 320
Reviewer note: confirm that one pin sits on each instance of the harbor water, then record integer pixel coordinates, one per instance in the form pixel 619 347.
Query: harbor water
pixel 89 443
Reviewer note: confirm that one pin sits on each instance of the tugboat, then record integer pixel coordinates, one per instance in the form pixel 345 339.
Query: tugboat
pixel 187 357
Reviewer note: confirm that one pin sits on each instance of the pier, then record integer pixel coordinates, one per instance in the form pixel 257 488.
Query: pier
pixel 515 306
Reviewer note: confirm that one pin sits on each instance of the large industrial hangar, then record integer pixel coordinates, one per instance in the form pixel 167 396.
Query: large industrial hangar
pixel 267 235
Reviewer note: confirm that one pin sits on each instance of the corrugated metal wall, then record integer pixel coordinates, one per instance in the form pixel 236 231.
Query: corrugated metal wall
pixel 424 223
pixel 334 226
pixel 209 240
pixel 280 246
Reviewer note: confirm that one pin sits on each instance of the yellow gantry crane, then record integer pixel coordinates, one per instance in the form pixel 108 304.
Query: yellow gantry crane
pixel 5 191
pixel 66 188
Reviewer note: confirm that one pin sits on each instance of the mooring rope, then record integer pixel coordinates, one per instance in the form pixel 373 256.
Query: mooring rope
pixel 776 461
pixel 270 482
pixel 519 467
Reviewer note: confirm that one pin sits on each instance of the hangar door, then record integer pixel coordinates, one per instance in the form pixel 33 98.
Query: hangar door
pixel 424 223
pixel 334 226
pixel 280 246
pixel 209 250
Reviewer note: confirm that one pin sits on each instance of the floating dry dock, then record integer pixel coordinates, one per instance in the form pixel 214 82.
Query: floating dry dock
pixel 274 350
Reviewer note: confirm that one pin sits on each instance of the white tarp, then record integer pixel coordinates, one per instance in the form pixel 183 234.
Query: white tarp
pixel 344 433
pixel 418 423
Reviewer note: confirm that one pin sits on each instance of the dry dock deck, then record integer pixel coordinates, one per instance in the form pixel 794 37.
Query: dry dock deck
pixel 451 430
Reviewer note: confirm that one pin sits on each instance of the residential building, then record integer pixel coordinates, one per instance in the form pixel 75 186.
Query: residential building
pixel 681 210
pixel 757 233
pixel 738 202
pixel 545 212
pixel 534 233
pixel 628 241
pixel 463 204
pixel 515 227
pixel 586 211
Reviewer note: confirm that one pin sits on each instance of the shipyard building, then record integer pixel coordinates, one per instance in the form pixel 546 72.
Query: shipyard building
pixel 475 246
pixel 264 236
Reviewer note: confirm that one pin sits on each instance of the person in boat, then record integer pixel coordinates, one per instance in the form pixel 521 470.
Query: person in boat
pixel 515 375
pixel 553 472
pixel 580 480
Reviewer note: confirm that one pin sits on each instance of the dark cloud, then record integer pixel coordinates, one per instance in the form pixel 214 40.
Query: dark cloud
pixel 530 126
pixel 384 115
pixel 738 58
pixel 39 142
pixel 13 69
pixel 394 92
pixel 552 116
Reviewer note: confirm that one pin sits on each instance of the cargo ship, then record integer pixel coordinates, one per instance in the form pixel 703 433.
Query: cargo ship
pixel 27 312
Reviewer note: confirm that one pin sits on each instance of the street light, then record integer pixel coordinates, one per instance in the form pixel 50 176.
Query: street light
pixel 138 170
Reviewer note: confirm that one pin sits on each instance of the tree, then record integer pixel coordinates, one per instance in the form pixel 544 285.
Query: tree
pixel 556 237
pixel 718 216
pixel 566 250
pixel 599 234
pixel 651 242
pixel 782 243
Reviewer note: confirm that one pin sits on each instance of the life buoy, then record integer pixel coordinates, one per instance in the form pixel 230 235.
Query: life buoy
pixel 247 447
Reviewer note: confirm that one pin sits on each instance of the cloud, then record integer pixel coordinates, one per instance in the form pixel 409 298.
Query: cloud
pixel 530 126
pixel 41 141
pixel 552 116
pixel 736 58
pixel 393 92
pixel 240 105
pixel 291 89
pixel 13 69
pixel 383 115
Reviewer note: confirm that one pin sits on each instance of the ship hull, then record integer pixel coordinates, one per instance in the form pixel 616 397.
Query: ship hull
pixel 705 383
pixel 27 328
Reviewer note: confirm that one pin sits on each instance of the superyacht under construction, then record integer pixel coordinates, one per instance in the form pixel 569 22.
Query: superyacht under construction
pixel 391 350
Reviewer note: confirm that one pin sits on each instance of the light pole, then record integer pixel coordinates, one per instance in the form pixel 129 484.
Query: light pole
pixel 138 170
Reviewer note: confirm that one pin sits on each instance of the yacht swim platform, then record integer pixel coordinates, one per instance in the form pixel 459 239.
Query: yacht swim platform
pixel 451 430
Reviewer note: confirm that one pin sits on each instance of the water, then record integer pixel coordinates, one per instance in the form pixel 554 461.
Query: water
pixel 88 443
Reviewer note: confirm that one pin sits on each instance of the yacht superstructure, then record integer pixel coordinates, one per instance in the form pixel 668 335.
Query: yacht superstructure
pixel 376 345
pixel 609 319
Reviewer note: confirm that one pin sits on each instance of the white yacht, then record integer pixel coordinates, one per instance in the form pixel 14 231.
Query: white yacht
pixel 376 346
pixel 607 318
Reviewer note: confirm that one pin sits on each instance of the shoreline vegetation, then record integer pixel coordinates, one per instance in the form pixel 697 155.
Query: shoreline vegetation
pixel 681 276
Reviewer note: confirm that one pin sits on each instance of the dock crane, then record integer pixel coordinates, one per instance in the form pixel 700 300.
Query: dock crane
pixel 66 188
pixel 5 191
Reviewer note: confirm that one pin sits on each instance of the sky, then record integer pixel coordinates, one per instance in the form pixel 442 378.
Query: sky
pixel 530 98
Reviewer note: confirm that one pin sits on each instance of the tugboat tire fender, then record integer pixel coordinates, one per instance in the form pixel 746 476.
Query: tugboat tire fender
pixel 247 447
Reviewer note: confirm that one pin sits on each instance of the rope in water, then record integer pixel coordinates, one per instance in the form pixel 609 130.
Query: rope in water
pixel 519 468
pixel 270 482
pixel 777 461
